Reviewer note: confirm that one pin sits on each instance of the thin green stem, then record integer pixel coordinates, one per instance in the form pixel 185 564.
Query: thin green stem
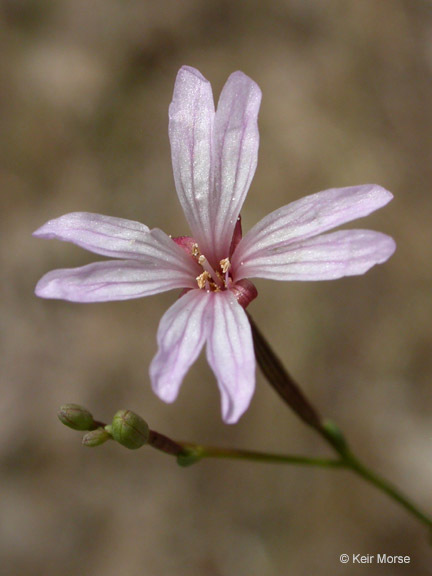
pixel 385 486
pixel 192 453
pixel 188 453
pixel 293 396
pixel 201 452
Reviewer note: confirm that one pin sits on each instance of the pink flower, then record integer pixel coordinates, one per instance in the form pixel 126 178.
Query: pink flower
pixel 214 157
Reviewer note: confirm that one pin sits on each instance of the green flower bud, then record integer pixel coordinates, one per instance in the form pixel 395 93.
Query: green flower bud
pixel 129 429
pixel 96 437
pixel 76 417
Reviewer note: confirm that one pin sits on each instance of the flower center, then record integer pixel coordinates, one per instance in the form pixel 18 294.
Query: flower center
pixel 211 279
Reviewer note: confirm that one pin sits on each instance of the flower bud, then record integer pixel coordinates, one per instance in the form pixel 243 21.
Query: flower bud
pixel 129 429
pixel 76 417
pixel 96 437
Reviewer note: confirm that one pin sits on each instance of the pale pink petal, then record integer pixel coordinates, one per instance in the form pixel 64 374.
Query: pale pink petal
pixel 307 217
pixel 111 280
pixel 181 336
pixel 119 238
pixel 191 117
pixel 106 235
pixel 236 141
pixel 325 257
pixel 230 353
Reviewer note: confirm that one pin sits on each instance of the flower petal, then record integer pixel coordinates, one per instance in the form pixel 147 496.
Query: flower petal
pixel 118 238
pixel 236 139
pixel 191 117
pixel 325 257
pixel 111 280
pixel 230 353
pixel 106 235
pixel 181 336
pixel 305 218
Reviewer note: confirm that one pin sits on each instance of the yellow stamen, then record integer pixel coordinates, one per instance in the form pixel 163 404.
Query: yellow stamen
pixel 225 265
pixel 203 279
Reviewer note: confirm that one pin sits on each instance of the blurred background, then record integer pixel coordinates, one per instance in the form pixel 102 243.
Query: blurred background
pixel 84 95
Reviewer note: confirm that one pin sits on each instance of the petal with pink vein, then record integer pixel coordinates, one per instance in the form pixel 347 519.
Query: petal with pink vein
pixel 230 354
pixel 181 336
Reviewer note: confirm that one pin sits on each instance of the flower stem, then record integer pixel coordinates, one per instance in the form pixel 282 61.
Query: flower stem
pixel 382 484
pixel 165 444
pixel 187 453
pixel 287 388
pixel 192 453
pixel 198 452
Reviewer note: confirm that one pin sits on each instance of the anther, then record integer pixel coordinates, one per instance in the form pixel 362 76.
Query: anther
pixel 202 279
pixel 202 260
pixel 225 265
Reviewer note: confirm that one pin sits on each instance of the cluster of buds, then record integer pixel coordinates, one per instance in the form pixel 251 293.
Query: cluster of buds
pixel 126 428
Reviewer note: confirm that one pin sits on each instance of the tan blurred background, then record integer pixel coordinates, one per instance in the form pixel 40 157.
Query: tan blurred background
pixel 347 99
